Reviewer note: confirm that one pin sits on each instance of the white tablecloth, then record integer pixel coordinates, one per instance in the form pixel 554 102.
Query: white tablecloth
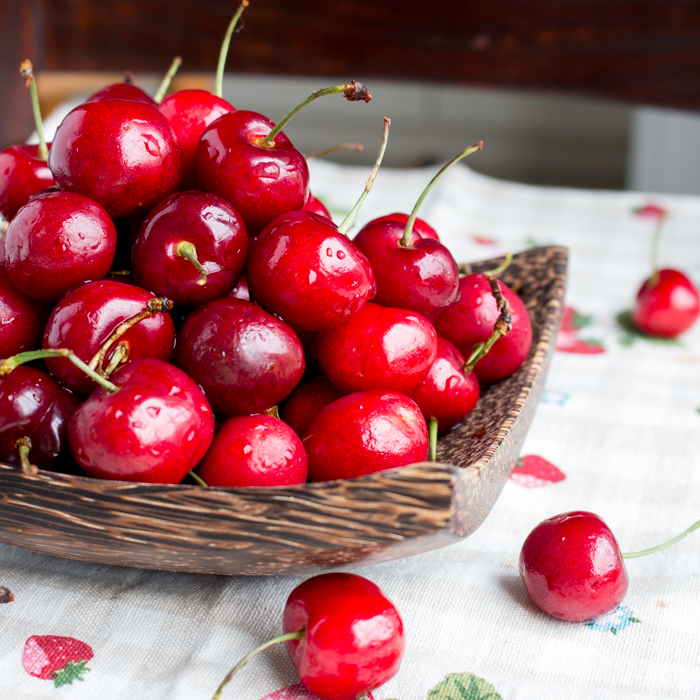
pixel 621 426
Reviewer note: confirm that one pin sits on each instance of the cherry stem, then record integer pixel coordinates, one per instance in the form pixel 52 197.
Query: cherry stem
pixel 347 221
pixel 432 439
pixel 503 324
pixel 27 72
pixel 24 445
pixel 337 147
pixel 219 85
pixel 655 241
pixel 167 79
pixel 119 357
pixel 353 91
pixel 659 547
pixel 501 268
pixel 155 306
pixel 197 478
pixel 187 250
pixel 299 634
pixel 408 230
pixel 11 363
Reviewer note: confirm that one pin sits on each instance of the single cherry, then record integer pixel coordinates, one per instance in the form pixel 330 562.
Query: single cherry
pixel 126 90
pixel 380 430
pixel 316 206
pixel 22 319
pixel 306 401
pixel 421 228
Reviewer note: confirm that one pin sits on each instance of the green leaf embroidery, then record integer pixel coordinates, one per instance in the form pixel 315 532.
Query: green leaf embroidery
pixel 463 686
pixel 624 319
pixel 72 671
pixel 634 619
pixel 613 630
pixel 580 320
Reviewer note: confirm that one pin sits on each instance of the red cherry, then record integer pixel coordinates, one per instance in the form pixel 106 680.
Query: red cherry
pixel 190 226
pixel 122 91
pixel 121 153
pixel 56 242
pixel 245 360
pixel 22 319
pixel 254 451
pixel 316 206
pixel 378 348
pixel 154 428
pixel 241 291
pixel 572 567
pixel 22 174
pixel 303 270
pixel 365 432
pixel 306 401
pixel 669 307
pixel 421 228
pixel 470 320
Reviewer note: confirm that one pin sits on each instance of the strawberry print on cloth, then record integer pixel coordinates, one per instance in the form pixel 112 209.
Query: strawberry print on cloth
pixel 533 471
pixel 295 692
pixel 568 339
pixel 463 686
pixel 60 659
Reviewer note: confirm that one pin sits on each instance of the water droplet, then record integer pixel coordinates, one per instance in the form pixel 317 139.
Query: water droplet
pixel 329 252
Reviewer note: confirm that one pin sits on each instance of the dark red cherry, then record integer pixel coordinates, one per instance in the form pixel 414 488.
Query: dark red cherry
pixel 22 174
pixel 572 567
pixel 316 206
pixel 245 359
pixel 155 428
pixel 57 242
pixel 22 319
pixel 34 405
pixel 303 270
pixel 85 319
pixel 668 307
pixel 190 112
pixel 188 229
pixel 241 291
pixel 306 401
pixel 447 393
pixel 254 451
pixel 378 348
pixel 471 319
pixel 122 91
pixel 262 182
pixel 422 228
pixel 365 432
pixel 121 153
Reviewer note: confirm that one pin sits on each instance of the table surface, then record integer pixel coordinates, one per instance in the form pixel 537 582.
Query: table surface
pixel 617 433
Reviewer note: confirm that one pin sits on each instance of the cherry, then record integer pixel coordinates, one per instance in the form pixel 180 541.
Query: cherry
pixel 305 402
pixel 378 348
pixel 344 637
pixel 257 450
pixel 316 206
pixel 241 291
pixel 86 318
pixel 22 319
pixel 667 304
pixel 23 173
pixel 121 153
pixel 192 249
pixel 126 90
pixel 365 432
pixel 471 320
pixel 56 242
pixel 245 359
pixel 421 229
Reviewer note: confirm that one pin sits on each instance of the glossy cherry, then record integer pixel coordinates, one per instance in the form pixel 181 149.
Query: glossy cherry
pixel 22 319
pixel 56 242
pixel 245 359
pixel 421 227
pixel 125 90
pixel 257 450
pixel 306 401
pixel 471 319
pixel 22 174
pixel 572 567
pixel 667 304
pixel 365 432
pixel 316 206
pixel 121 153
pixel 378 348
pixel 154 428
pixel 192 249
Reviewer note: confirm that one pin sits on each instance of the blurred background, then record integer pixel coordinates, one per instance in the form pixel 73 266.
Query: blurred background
pixel 583 93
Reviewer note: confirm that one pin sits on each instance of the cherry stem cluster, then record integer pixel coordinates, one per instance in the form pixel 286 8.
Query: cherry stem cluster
pixel 219 85
pixel 299 634
pixel 655 241
pixel 432 439
pixel 659 547
pixel 167 79
pixel 408 230
pixel 353 91
pixel 337 147
pixel 347 221
pixel 188 251
pixel 27 72
pixel 24 445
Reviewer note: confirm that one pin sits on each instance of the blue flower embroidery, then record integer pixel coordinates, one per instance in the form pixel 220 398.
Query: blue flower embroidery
pixel 553 396
pixel 614 622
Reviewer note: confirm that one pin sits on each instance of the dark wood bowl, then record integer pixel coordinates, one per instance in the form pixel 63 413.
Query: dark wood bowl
pixel 309 528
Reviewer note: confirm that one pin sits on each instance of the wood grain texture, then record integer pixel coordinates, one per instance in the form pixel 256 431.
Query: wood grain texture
pixel 312 527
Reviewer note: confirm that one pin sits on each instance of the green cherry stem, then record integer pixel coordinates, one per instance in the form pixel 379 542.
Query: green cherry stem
pixel 337 147
pixel 299 634
pixel 353 91
pixel 120 356
pixel 167 79
pixel 655 241
pixel 432 439
pixel 219 85
pixel 347 221
pixel 408 230
pixel 197 478
pixel 11 363
pixel 27 72
pixel 24 445
pixel 187 250
pixel 659 547
pixel 502 267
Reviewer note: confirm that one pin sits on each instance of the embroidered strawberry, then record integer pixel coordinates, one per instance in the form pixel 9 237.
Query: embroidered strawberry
pixel 484 240
pixel 296 692
pixel 532 471
pixel 568 339
pixel 61 659
pixel 650 211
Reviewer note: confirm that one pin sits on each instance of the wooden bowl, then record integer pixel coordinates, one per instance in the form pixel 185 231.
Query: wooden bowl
pixel 308 528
